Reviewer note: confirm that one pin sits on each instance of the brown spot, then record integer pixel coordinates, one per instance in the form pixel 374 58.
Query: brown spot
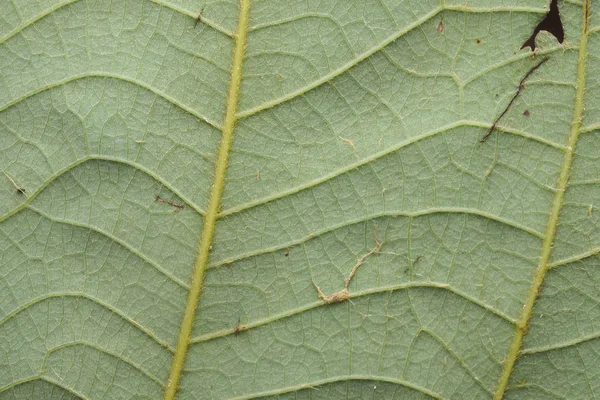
pixel 239 328
pixel 199 17
pixel 526 113
pixel 178 207
pixel 478 41
pixel 287 253
pixel 440 27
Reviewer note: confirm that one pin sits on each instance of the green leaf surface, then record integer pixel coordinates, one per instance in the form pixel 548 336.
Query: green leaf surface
pixel 181 180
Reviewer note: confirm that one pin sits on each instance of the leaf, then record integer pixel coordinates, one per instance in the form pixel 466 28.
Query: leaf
pixel 280 199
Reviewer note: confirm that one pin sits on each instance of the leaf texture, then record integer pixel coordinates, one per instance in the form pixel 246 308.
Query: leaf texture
pixel 356 124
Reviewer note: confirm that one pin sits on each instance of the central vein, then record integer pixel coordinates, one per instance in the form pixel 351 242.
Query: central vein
pixel 210 218
pixel 549 235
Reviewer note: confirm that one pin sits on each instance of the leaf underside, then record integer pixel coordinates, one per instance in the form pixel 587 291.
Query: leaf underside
pixel 358 125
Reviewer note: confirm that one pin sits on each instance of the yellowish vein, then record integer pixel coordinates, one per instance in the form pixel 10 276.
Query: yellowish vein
pixel 206 238
pixel 551 226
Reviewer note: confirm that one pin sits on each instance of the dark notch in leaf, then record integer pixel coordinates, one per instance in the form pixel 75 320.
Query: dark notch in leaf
pixel 520 89
pixel 551 23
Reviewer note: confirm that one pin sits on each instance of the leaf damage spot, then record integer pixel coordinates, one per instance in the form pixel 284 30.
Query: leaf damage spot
pixel 344 294
pixel 526 113
pixel 519 90
pixel 177 207
pixel 551 24
pixel 440 27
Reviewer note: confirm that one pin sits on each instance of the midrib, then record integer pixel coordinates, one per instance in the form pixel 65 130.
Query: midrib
pixel 210 218
pixel 550 233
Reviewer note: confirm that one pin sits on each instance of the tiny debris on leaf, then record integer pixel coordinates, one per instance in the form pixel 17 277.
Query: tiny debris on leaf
pixel 178 207
pixel 20 189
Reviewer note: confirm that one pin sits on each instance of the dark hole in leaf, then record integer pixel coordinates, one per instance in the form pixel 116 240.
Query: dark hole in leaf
pixel 551 23
pixel 478 41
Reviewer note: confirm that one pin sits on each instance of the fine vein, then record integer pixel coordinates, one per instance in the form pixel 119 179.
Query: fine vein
pixel 544 265
pixel 206 238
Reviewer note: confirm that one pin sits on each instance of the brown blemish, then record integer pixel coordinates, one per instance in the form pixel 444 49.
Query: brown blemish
pixel 178 207
pixel 199 17
pixel 239 327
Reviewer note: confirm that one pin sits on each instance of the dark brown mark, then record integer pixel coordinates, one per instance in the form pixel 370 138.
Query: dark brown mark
pixel 526 113
pixel 199 17
pixel 551 23
pixel 417 260
pixel 178 207
pixel 287 253
pixel 478 41
pixel 239 327
pixel 520 89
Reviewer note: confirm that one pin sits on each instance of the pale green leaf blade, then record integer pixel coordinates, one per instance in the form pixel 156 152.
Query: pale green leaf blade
pixel 358 123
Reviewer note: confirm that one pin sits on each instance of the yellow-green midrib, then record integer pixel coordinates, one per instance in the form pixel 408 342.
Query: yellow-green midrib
pixel 210 218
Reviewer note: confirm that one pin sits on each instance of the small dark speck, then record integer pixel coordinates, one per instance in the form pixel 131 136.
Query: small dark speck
pixel 478 41
pixel 440 27
pixel 287 253
pixel 21 190
pixel 526 113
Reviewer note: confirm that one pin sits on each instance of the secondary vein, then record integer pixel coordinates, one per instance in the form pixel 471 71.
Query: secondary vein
pixel 210 218
pixel 544 265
